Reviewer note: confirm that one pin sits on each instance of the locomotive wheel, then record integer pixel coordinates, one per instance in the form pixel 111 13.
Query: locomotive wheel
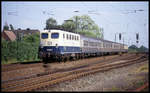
pixel 65 59
pixel 62 58
pixel 45 60
pixel 73 58
pixel 59 59
pixel 77 56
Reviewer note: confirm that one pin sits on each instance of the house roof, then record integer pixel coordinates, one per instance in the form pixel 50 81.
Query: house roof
pixel 26 31
pixel 10 35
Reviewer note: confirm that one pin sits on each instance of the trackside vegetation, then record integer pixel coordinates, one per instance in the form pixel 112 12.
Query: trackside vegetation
pixel 134 48
pixel 22 50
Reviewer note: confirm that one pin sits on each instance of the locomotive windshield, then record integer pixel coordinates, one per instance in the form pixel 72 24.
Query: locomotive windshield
pixel 44 35
pixel 54 35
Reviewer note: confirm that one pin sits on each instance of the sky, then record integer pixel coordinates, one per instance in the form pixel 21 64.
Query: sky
pixel 127 18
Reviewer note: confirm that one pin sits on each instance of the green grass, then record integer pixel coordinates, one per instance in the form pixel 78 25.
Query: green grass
pixel 115 89
pixel 140 83
pixel 12 61
pixel 143 68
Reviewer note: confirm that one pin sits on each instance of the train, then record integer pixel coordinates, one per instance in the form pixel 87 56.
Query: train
pixel 64 45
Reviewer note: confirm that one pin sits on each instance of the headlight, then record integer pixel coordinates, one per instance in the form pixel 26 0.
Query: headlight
pixel 41 46
pixel 42 43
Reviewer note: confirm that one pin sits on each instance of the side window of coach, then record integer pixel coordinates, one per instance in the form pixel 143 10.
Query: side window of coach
pixel 67 36
pixel 64 36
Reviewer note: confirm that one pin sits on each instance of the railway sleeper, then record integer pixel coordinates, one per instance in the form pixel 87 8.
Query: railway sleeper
pixel 82 74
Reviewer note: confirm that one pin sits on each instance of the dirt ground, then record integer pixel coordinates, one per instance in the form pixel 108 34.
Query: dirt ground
pixel 126 78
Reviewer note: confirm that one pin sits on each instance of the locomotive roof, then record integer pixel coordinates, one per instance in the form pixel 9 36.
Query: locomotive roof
pixel 58 30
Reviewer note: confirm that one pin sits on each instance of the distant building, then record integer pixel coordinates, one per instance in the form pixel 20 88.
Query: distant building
pixel 12 35
pixel 26 32
pixel 8 35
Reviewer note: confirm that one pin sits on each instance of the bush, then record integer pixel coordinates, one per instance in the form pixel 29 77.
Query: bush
pixel 25 49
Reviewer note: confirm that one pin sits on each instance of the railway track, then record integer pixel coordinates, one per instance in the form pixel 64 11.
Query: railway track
pixel 48 78
pixel 68 69
pixel 21 65
pixel 21 71
pixel 22 74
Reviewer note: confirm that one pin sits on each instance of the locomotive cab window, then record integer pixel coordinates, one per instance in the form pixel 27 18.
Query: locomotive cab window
pixel 55 35
pixel 44 35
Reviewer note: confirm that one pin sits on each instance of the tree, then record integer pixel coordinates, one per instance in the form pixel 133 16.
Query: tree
pixel 19 28
pixel 51 23
pixel 6 27
pixel 132 47
pixel 83 25
pixel 28 28
pixel 11 27
pixel 143 49
pixel 77 24
pixel 69 26
pixel 59 27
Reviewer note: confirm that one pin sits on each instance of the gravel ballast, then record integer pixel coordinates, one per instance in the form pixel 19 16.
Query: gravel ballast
pixel 125 78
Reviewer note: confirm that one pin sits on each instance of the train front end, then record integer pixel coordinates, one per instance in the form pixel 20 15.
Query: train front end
pixel 49 44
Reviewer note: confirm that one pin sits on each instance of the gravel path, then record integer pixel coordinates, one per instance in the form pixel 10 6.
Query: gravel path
pixel 121 79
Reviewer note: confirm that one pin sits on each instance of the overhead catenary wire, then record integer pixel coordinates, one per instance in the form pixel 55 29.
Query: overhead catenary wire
pixel 87 8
